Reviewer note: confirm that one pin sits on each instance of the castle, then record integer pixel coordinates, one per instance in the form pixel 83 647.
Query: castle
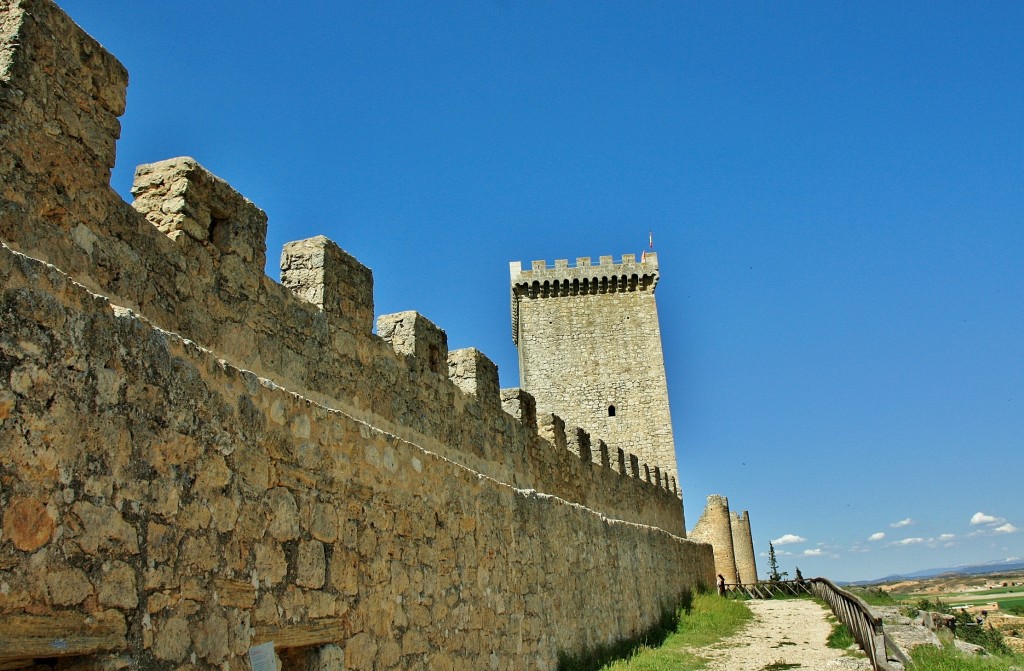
pixel 590 347
pixel 197 461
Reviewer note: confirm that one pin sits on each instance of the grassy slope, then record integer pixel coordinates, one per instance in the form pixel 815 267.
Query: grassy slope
pixel 927 658
pixel 709 620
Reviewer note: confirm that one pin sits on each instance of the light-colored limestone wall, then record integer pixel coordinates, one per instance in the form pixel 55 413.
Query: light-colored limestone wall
pixel 190 258
pixel 375 492
pixel 589 340
pixel 743 547
pixel 202 510
pixel 715 527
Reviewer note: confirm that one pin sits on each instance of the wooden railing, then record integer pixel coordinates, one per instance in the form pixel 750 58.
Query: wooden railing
pixel 848 608
pixel 865 626
pixel 769 589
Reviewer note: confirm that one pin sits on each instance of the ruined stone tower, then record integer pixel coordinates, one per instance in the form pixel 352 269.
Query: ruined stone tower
pixel 743 547
pixel 715 527
pixel 590 350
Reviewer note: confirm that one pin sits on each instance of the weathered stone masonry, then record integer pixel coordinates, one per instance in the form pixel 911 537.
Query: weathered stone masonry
pixel 195 459
pixel 730 536
pixel 590 347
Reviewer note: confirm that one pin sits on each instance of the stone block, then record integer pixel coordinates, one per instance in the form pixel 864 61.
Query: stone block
pixel 322 273
pixel 578 442
pixel 62 94
pixel 475 374
pixel 621 461
pixel 180 196
pixel 28 524
pixel 551 427
pixel 634 466
pixel 413 335
pixel 602 453
pixel 521 405
pixel 311 568
pixel 327 658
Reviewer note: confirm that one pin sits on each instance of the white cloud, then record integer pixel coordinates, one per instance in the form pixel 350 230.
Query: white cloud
pixel 788 539
pixel 982 518
pixel 946 537
pixel 1005 529
pixel 906 522
pixel 816 552
pixel 877 536
pixel 910 541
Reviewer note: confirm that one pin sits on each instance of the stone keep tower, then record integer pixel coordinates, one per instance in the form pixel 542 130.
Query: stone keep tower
pixel 590 350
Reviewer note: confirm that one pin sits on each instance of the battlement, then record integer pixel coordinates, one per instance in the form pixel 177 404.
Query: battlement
pixel 189 255
pixel 223 448
pixel 584 278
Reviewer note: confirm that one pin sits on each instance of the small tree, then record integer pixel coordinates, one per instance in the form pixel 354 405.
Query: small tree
pixel 799 575
pixel 773 565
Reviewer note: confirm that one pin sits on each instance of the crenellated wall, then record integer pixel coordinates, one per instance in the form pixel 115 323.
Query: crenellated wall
pixel 190 255
pixel 195 459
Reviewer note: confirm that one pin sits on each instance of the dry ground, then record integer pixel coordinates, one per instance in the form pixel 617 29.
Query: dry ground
pixel 784 634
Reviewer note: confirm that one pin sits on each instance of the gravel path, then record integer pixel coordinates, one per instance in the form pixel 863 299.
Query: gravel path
pixel 784 634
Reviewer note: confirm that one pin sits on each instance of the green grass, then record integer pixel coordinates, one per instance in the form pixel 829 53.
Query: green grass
pixel 927 658
pixel 873 597
pixel 710 619
pixel 1006 604
pixel 840 638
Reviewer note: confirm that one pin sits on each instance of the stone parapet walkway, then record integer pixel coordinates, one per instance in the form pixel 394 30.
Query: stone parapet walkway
pixel 784 634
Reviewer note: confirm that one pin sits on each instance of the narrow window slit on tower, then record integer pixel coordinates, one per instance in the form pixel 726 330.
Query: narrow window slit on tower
pixel 611 410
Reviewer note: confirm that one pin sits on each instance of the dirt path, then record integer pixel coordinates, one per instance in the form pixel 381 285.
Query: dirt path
pixel 784 634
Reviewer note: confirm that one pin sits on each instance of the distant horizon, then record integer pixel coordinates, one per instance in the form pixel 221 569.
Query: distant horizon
pixel 835 194
pixel 1011 564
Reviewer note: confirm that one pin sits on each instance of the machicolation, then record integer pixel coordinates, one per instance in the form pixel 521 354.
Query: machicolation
pixel 590 347
pixel 196 459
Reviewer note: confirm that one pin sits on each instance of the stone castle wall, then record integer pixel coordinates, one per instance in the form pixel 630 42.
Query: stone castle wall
pixel 590 345
pixel 195 458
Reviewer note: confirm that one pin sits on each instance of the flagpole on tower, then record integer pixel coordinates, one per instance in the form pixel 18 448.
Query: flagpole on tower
pixel 650 243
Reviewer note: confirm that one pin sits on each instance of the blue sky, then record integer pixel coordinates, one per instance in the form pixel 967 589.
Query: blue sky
pixel 836 193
